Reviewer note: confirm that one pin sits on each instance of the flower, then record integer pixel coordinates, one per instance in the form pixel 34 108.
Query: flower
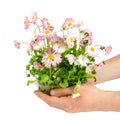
pixel 37 65
pixel 51 58
pixel 108 49
pixel 26 22
pixel 17 44
pixel 34 18
pixel 69 23
pixel 61 61
pixel 92 51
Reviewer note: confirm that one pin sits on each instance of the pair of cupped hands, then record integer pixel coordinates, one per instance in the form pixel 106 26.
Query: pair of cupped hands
pixel 91 98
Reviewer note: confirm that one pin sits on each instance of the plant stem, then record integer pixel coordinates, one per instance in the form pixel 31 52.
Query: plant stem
pixel 50 72
pixel 24 43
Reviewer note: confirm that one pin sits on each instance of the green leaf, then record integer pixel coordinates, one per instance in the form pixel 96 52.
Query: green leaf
pixel 44 78
pixel 93 72
pixel 62 72
pixel 30 82
pixel 27 67
pixel 64 84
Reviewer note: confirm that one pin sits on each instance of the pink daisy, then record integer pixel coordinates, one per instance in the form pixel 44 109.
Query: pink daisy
pixel 38 66
pixel 26 23
pixel 108 49
pixel 17 44
pixel 88 38
pixel 69 23
pixel 99 66
pixel 51 57
pixel 34 18
pixel 46 24
pixel 88 32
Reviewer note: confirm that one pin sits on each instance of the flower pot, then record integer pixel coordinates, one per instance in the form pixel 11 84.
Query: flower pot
pixel 46 89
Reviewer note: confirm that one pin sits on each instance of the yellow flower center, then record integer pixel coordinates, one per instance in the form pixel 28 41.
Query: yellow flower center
pixel 37 43
pixel 48 23
pixel 33 17
pixel 51 57
pixel 70 24
pixel 25 22
pixel 47 31
pixel 59 46
pixel 92 49
pixel 72 39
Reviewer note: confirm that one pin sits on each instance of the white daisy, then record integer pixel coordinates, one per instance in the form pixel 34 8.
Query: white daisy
pixel 71 58
pixel 92 51
pixel 82 60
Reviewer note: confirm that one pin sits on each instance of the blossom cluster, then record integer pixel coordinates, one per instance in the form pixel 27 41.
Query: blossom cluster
pixel 61 61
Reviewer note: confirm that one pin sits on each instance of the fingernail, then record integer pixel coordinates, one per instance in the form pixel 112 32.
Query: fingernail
pixel 36 92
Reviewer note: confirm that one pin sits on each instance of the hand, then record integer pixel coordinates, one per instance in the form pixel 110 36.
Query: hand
pixel 90 99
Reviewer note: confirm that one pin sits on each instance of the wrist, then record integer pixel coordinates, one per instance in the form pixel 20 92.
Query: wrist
pixel 109 101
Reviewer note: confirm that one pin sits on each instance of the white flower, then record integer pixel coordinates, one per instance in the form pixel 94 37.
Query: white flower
pixel 82 60
pixel 71 58
pixel 92 51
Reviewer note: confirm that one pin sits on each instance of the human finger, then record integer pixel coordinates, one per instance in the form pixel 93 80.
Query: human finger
pixel 62 91
pixel 57 102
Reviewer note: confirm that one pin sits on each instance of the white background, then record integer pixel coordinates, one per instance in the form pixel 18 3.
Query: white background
pixel 17 101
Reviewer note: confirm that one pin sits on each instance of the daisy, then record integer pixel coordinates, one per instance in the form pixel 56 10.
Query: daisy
pixel 88 39
pixel 59 45
pixel 26 22
pixel 34 18
pixel 17 44
pixel 38 66
pixel 46 24
pixel 92 51
pixel 70 39
pixel 38 44
pixel 71 58
pixel 69 23
pixel 108 49
pixel 51 58
pixel 82 60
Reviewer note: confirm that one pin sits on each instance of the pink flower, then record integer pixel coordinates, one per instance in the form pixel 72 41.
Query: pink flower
pixel 46 24
pixel 17 44
pixel 48 34
pixel 69 23
pixel 87 32
pixel 38 66
pixel 88 38
pixel 108 49
pixel 51 57
pixel 34 18
pixel 70 41
pixel 31 45
pixel 79 23
pixel 58 44
pixel 99 66
pixel 26 23
pixel 38 44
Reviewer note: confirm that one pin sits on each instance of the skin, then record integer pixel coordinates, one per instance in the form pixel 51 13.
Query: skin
pixel 91 98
